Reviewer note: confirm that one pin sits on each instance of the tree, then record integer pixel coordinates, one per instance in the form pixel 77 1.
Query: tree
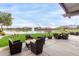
pixel 5 19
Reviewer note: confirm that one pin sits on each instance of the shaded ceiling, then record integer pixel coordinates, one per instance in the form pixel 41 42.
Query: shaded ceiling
pixel 71 9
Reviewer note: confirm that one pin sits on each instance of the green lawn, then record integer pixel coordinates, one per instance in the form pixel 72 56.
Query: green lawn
pixel 21 37
pixel 41 35
pixel 4 40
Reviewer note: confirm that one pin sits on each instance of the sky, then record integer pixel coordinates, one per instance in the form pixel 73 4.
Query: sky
pixel 37 14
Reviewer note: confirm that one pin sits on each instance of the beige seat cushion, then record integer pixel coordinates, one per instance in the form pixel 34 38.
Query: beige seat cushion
pixel 31 40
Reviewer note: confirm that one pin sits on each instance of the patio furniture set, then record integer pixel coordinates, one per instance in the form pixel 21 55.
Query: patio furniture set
pixel 61 36
pixel 74 33
pixel 35 45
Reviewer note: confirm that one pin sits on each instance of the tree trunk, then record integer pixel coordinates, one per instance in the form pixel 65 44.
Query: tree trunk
pixel 1 27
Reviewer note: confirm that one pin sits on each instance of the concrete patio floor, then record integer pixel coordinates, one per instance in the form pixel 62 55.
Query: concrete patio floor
pixel 52 47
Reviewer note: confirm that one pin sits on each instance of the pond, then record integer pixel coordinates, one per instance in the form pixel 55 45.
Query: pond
pixel 21 32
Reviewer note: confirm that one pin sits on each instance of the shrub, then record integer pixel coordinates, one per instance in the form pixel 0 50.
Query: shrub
pixel 2 33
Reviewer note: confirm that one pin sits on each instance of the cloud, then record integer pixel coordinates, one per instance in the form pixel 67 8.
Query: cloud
pixel 22 23
pixel 38 15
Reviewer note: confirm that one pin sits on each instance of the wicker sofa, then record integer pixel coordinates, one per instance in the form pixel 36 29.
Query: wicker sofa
pixel 15 47
pixel 61 36
pixel 74 33
pixel 37 47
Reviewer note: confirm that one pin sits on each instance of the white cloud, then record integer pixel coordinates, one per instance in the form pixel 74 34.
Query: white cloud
pixel 22 23
pixel 54 13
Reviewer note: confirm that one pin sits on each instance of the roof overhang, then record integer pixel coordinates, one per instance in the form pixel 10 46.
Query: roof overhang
pixel 71 9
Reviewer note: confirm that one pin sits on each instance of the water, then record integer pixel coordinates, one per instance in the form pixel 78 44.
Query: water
pixel 15 32
pixel 21 32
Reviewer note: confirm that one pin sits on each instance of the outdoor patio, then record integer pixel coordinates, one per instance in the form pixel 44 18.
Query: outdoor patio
pixel 52 47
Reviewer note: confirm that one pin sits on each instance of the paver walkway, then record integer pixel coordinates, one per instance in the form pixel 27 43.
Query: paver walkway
pixel 52 47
